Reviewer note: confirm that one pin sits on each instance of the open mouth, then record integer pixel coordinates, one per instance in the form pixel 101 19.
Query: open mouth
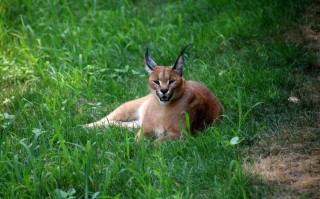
pixel 164 99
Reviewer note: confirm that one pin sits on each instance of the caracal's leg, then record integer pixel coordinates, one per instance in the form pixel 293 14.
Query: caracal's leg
pixel 126 115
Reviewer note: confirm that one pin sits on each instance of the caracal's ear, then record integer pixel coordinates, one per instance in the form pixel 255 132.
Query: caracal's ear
pixel 150 64
pixel 178 66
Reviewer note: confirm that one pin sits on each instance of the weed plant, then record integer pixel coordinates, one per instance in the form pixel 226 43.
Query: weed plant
pixel 67 63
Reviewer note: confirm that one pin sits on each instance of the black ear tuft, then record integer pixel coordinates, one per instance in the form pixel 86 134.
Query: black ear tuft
pixel 178 65
pixel 150 64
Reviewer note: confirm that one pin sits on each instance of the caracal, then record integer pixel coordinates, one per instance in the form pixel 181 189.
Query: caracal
pixel 162 112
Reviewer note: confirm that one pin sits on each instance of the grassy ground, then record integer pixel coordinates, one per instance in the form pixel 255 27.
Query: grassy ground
pixel 66 63
pixel 287 154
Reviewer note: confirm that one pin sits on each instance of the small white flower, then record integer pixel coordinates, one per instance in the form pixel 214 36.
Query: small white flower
pixel 220 73
pixel 6 101
pixel 293 99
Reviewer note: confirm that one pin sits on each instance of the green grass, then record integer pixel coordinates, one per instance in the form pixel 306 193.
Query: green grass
pixel 67 63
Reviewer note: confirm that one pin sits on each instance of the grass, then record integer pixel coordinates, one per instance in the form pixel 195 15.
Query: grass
pixel 66 63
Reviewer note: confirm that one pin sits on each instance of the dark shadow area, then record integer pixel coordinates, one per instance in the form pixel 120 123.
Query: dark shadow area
pixel 285 159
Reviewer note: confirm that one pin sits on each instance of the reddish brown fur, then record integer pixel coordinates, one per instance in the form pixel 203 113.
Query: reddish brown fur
pixel 161 112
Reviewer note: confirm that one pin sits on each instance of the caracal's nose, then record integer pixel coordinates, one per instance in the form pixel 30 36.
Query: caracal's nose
pixel 164 90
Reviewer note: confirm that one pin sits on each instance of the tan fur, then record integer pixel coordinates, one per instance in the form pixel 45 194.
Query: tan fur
pixel 161 112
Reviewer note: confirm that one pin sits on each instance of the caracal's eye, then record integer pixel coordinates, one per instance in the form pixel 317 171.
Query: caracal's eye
pixel 171 81
pixel 156 82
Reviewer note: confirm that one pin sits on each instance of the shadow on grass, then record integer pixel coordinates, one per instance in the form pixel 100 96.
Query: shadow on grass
pixel 286 157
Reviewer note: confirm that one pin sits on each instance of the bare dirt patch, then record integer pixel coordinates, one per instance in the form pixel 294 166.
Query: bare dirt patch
pixel 287 156
pixel 290 162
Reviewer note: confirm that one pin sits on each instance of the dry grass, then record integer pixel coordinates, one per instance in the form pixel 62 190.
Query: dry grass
pixel 290 162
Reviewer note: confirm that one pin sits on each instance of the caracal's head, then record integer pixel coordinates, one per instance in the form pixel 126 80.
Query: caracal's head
pixel 165 82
